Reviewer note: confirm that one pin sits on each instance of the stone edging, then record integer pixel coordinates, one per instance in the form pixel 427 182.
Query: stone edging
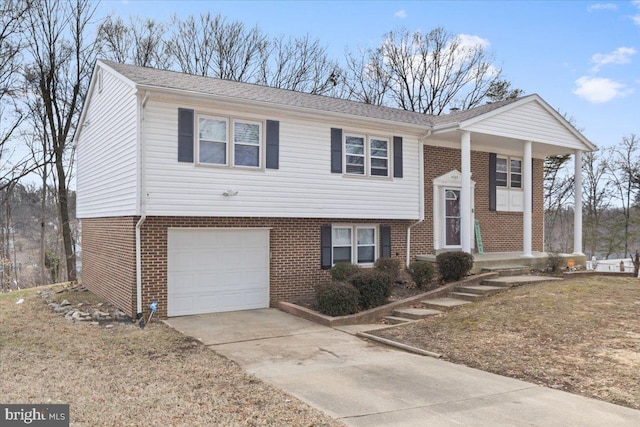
pixel 396 344
pixel 375 314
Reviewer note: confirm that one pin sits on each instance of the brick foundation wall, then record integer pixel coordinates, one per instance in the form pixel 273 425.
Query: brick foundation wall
pixel 109 255
pixel 109 260
pixel 501 231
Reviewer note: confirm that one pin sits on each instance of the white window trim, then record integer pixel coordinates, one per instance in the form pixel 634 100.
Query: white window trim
pixel 261 143
pixel 508 159
pixel 367 154
pixel 230 143
pixel 354 242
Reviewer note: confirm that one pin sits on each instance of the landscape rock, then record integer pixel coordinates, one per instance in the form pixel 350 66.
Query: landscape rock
pixel 65 303
pixel 62 309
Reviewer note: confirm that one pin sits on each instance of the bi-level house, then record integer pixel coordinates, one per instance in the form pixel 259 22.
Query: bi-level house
pixel 210 195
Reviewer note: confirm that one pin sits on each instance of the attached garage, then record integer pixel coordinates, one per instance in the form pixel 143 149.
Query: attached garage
pixel 212 270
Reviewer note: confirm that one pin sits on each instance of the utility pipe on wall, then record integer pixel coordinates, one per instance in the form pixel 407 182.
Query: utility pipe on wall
pixel 143 215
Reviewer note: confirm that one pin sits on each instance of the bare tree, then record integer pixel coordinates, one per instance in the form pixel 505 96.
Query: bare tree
pixel 366 78
pixel 139 42
pixel 430 72
pixel 61 63
pixel 299 64
pixel 597 196
pixel 211 46
pixel 624 171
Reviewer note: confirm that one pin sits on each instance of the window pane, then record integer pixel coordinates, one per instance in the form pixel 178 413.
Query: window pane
pixel 341 237
pixel 341 255
pixel 354 145
pixel 516 180
pixel 452 226
pixel 501 165
pixel 379 148
pixel 501 179
pixel 355 164
pixel 213 152
pixel 246 133
pixel 379 163
pixel 366 236
pixel 212 130
pixel 366 254
pixel 516 166
pixel 246 155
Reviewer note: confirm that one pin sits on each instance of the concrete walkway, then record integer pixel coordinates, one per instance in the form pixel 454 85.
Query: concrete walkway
pixel 366 384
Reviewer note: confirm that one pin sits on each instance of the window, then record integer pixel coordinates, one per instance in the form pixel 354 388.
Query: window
pixel 367 156
pixel 212 140
pixel 214 147
pixel 508 172
pixel 354 244
pixel 246 143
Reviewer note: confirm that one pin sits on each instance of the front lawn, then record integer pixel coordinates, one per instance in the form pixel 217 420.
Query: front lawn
pixel 128 376
pixel 580 335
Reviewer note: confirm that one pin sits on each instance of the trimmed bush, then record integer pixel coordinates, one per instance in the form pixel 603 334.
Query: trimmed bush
pixel 391 266
pixel 421 272
pixel 554 261
pixel 374 287
pixel 337 298
pixel 454 266
pixel 343 271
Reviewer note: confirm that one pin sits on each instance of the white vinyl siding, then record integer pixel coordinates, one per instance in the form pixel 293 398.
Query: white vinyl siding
pixel 107 152
pixel 528 122
pixel 303 186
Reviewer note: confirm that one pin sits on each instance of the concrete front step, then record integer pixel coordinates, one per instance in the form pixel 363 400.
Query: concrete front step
pixel 479 289
pixel 415 313
pixel 443 303
pixel 507 270
pixel 394 320
pixel 465 296
pixel 511 281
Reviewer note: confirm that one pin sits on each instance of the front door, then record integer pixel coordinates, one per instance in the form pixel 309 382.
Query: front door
pixel 452 217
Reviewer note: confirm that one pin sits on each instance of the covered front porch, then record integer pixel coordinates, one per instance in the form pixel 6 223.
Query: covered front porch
pixel 514 261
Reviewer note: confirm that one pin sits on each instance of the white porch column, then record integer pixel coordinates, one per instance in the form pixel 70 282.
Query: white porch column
pixel 577 210
pixel 527 184
pixel 465 193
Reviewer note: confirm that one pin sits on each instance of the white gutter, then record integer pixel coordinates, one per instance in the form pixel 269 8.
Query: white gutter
pixel 421 145
pixel 143 214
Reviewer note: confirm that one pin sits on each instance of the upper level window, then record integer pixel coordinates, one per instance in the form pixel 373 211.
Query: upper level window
pixel 214 147
pixel 367 156
pixel 508 172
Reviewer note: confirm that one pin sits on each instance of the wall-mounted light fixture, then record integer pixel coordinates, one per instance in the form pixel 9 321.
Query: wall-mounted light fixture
pixel 230 193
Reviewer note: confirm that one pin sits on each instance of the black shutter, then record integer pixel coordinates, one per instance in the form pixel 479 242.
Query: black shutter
pixel 492 181
pixel 397 157
pixel 185 135
pixel 336 150
pixel 385 241
pixel 273 144
pixel 325 247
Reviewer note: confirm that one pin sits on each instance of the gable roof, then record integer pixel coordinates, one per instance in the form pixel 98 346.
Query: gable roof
pixel 165 79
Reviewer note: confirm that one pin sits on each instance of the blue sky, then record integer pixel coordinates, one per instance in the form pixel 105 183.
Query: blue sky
pixel 582 57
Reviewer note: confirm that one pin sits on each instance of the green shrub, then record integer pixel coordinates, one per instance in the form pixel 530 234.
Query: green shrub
pixel 454 266
pixel 343 271
pixel 337 298
pixel 421 272
pixel 374 287
pixel 390 266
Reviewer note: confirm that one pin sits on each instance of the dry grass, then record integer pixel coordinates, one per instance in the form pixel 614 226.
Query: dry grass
pixel 125 376
pixel 580 335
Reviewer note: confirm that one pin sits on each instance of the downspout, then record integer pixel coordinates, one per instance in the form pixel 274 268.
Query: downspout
pixel 421 145
pixel 143 214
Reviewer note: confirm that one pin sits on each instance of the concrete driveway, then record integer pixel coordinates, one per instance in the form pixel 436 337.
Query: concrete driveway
pixel 367 384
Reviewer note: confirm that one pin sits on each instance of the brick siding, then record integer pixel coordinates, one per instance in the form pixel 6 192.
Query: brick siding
pixel 294 265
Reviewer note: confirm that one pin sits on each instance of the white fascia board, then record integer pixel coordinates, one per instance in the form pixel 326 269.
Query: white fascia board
pixel 296 111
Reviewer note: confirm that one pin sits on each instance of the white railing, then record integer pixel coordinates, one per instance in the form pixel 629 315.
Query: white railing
pixel 609 265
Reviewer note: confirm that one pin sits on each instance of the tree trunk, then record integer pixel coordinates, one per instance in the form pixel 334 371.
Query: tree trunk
pixel 43 219
pixel 67 239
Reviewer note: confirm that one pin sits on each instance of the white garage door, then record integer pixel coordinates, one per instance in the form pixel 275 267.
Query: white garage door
pixel 214 270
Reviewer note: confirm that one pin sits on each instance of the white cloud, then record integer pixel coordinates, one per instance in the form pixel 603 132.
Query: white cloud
pixel 469 41
pixel 598 90
pixel 621 55
pixel 400 14
pixel 636 18
pixel 602 6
